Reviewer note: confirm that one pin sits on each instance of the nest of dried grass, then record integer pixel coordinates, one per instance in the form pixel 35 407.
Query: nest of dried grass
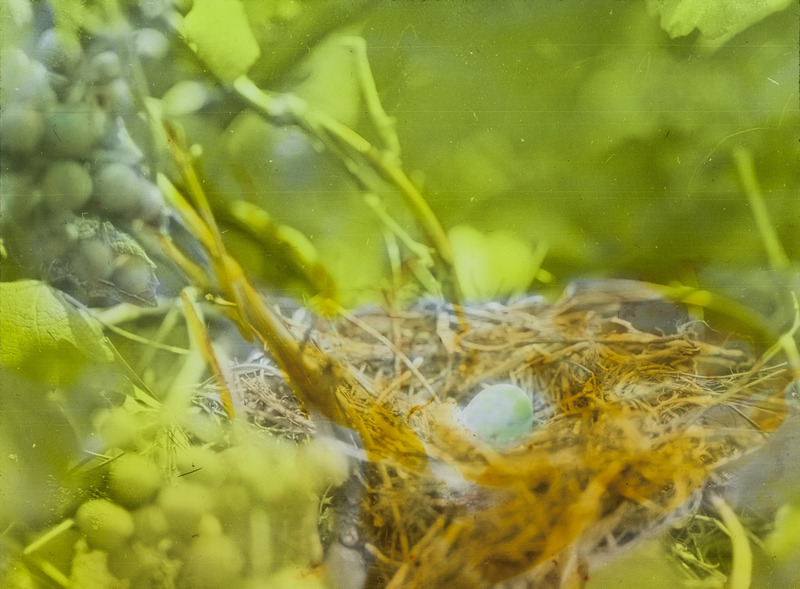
pixel 636 408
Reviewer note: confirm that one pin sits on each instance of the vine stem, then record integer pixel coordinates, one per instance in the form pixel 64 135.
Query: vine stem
pixel 747 174
pixel 742 557
pixel 284 109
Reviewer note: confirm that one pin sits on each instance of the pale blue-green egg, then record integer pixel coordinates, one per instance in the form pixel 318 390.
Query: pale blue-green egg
pixel 500 414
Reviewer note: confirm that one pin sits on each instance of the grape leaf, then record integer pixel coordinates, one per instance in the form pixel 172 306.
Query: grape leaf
pixel 220 33
pixel 717 20
pixel 38 321
pixel 498 264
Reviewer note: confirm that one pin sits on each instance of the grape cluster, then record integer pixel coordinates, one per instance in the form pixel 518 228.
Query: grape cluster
pixel 80 208
pixel 75 185
pixel 209 521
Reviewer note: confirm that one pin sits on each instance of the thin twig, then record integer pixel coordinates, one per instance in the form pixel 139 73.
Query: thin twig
pixel 397 352
pixel 742 555
pixel 747 174
pixel 283 109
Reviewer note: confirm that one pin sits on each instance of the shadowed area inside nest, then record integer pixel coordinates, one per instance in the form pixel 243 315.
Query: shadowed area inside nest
pixel 636 407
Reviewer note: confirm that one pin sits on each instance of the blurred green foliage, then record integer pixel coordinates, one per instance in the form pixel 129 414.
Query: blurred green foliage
pixel 582 126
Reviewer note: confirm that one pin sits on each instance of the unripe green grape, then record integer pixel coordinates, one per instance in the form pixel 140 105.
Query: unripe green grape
pixel 118 190
pixel 185 97
pixel 133 480
pixel 150 523
pixel 233 501
pixel 150 44
pixel 105 525
pixel 152 205
pixel 269 472
pixel 184 504
pixel 89 569
pixel 54 235
pixel 119 428
pixel 59 51
pixel 21 129
pixel 209 526
pixel 210 563
pixel 183 6
pixel 154 9
pixel 24 80
pixel 104 67
pixel 244 463
pixel 123 564
pixel 18 198
pixel 93 259
pixel 66 185
pixel 134 276
pixel 200 465
pixel 73 130
pixel 285 487
pixel 115 96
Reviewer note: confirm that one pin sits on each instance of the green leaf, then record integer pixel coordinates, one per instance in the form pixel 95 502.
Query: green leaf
pixel 39 327
pixel 220 33
pixel 498 264
pixel 717 20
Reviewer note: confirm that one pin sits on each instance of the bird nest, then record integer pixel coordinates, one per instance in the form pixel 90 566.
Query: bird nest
pixel 635 409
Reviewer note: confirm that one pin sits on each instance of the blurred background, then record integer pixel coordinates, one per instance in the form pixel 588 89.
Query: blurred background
pixel 579 127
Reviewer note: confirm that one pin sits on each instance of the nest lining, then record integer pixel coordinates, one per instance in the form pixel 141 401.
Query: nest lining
pixel 636 408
